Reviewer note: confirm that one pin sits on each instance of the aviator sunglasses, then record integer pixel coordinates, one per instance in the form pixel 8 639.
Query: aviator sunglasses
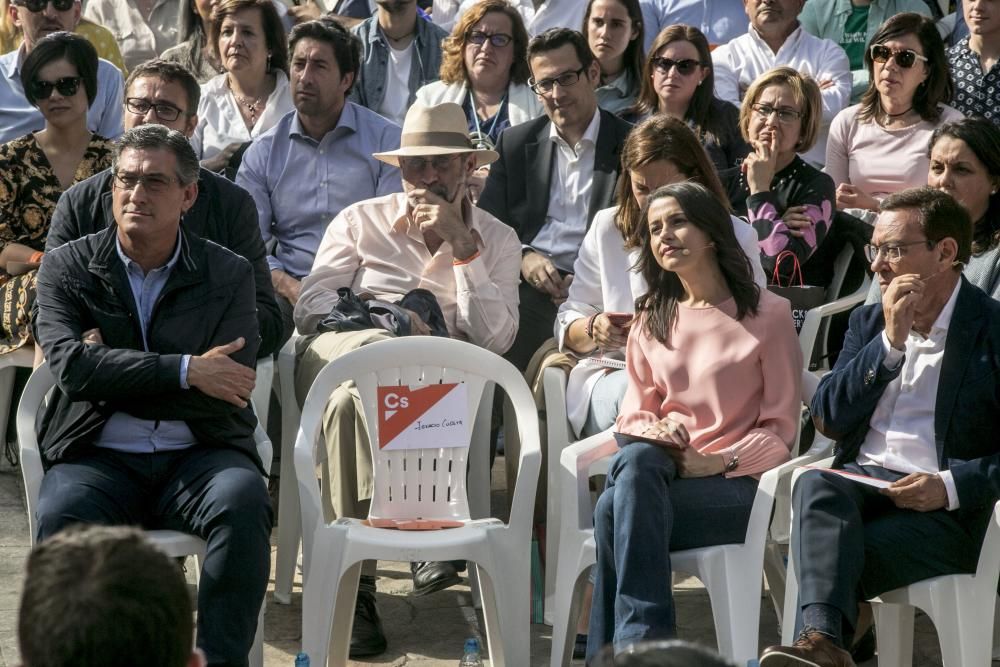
pixel 67 87
pixel 39 5
pixel 905 58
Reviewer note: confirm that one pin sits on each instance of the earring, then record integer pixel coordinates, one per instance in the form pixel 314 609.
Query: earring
pixel 268 62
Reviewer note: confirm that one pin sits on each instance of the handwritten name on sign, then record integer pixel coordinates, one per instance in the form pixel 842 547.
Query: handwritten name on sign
pixel 427 417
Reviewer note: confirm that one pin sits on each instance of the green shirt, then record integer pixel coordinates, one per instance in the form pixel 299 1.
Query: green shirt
pixel 855 37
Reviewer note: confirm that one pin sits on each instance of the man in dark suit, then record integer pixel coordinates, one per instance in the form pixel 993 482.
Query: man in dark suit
pixel 914 399
pixel 165 93
pixel 553 175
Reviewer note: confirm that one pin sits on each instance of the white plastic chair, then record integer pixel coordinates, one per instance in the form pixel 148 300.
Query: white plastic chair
pixel 429 484
pixel 22 357
pixel 261 396
pixel 732 573
pixel 289 514
pixel 961 606
pixel 171 542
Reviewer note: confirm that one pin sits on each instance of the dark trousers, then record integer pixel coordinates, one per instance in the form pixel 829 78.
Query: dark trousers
pixel 216 494
pixel 851 543
pixel 537 318
pixel 287 323
pixel 645 512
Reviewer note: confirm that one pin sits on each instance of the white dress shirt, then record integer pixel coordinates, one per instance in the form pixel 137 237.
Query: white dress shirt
pixel 551 14
pixel 901 432
pixel 745 58
pixel 570 185
pixel 220 122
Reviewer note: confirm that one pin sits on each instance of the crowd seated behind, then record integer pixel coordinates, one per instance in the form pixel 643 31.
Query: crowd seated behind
pixel 614 31
pixel 518 194
pixel 678 80
pixel 253 93
pixel 906 99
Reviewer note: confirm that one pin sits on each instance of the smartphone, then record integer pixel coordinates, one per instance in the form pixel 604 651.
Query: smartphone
pixel 621 320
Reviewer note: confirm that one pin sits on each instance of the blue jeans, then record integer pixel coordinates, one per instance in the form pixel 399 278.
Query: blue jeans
pixel 645 512
pixel 216 494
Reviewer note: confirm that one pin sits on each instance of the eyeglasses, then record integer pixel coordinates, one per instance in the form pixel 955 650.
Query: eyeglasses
pixel 154 183
pixel 905 58
pixel 497 39
pixel 439 162
pixel 141 106
pixel 785 116
pixel 545 86
pixel 684 67
pixel 67 87
pixel 892 252
pixel 39 5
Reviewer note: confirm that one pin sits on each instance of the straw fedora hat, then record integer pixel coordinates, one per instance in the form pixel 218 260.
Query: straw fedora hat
pixel 438 130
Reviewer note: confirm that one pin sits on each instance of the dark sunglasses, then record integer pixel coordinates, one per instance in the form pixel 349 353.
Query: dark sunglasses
pixel 39 5
pixel 684 67
pixel 904 58
pixel 67 87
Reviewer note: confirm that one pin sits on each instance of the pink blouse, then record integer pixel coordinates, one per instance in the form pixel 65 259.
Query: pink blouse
pixel 735 385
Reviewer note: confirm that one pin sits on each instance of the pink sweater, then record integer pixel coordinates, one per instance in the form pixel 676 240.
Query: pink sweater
pixel 735 385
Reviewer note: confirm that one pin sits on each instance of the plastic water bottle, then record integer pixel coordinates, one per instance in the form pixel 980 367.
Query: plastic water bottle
pixel 471 656
pixel 302 660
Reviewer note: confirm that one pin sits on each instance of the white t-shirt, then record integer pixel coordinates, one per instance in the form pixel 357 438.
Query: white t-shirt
pixel 397 88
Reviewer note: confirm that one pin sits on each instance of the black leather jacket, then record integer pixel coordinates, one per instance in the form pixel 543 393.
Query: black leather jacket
pixel 208 300
pixel 223 212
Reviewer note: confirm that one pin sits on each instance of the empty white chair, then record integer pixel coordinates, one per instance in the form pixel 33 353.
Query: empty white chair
pixel 426 484
pixel 173 543
pixel 732 573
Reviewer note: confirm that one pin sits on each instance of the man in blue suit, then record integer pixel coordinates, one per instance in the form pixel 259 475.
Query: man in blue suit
pixel 914 399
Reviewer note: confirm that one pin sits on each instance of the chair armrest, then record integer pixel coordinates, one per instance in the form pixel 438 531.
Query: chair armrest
pixel 573 479
pixel 556 422
pixel 779 482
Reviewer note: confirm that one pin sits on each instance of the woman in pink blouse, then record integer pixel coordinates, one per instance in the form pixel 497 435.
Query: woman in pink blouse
pixel 712 401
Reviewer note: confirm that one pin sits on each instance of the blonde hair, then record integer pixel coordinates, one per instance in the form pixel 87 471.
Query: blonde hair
pixel 804 89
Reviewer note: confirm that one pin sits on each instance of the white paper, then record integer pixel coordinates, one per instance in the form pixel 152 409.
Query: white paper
pixel 854 477
pixel 423 417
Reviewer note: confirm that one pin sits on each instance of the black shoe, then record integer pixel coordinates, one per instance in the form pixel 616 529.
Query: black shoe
pixel 580 647
pixel 367 637
pixel 864 649
pixel 432 576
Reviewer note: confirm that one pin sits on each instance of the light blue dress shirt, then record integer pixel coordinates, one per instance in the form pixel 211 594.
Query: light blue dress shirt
pixel 300 185
pixel 719 20
pixel 123 432
pixel 18 118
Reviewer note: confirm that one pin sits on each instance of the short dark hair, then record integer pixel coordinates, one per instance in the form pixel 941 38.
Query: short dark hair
pixel 983 139
pixel 941 217
pixel 99 595
pixel 706 212
pixel 937 87
pixel 346 47
pixel 556 38
pixel 274 29
pixel 170 72
pixel 68 46
pixel 153 136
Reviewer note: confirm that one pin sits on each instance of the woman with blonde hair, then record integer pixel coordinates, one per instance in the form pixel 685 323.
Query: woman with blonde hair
pixel 789 203
pixel 678 80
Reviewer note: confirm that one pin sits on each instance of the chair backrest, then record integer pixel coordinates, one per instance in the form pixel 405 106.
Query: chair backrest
pixel 420 483
pixel 989 557
pixel 840 267
pixel 36 393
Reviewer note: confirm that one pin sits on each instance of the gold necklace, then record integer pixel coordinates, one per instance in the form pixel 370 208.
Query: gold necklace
pixel 250 104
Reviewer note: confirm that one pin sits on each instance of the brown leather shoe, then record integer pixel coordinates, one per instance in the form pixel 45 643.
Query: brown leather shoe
pixel 811 648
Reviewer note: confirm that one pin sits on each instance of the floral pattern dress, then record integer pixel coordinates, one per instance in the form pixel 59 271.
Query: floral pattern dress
pixel 29 190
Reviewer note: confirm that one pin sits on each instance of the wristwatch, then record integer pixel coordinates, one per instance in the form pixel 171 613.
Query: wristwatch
pixel 733 463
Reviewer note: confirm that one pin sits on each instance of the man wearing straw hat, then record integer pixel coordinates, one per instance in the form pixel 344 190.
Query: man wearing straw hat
pixel 432 237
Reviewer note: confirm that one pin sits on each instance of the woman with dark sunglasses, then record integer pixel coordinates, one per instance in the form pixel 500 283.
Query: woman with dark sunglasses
pixel 879 146
pixel 60 80
pixel 677 80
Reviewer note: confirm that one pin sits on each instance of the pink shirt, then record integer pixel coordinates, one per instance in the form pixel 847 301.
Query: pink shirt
pixel 735 385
